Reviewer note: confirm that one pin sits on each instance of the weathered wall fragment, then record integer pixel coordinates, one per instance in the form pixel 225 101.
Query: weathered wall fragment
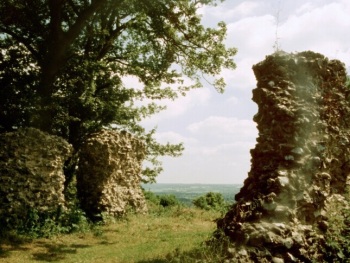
pixel 108 179
pixel 31 173
pixel 300 162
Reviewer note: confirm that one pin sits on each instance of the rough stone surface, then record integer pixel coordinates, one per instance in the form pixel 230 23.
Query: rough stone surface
pixel 300 162
pixel 31 173
pixel 108 179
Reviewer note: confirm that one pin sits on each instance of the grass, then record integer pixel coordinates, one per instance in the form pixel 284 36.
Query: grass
pixel 165 235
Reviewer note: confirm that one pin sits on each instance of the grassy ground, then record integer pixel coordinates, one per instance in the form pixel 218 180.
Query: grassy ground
pixel 163 236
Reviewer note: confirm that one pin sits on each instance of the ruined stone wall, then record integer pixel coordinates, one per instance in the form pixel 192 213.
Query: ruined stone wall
pixel 108 178
pixel 299 164
pixel 31 173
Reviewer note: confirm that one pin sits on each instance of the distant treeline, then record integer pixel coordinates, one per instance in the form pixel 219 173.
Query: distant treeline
pixel 186 193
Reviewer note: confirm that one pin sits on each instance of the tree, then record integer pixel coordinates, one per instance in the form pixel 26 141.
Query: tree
pixel 210 201
pixel 63 61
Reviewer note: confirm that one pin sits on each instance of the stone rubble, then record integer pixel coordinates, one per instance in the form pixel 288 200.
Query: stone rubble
pixel 108 178
pixel 300 162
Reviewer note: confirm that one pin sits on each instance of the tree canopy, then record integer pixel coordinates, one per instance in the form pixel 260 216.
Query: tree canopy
pixel 62 64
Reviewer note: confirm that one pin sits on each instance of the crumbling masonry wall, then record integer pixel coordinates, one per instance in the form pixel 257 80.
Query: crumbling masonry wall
pixel 31 173
pixel 108 178
pixel 300 162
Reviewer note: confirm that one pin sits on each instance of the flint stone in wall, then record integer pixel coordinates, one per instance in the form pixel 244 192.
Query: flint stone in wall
pixel 31 173
pixel 300 162
pixel 108 179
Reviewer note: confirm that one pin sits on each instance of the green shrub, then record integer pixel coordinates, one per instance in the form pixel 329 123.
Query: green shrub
pixel 337 237
pixel 74 220
pixel 151 197
pixel 213 250
pixel 48 224
pixel 35 224
pixel 169 201
pixel 159 204
pixel 210 201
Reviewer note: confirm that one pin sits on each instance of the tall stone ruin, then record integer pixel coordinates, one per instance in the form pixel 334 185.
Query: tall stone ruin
pixel 108 178
pixel 31 174
pixel 300 162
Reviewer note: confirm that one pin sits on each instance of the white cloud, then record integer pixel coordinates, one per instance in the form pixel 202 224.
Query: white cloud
pixel 252 35
pixel 232 100
pixel 217 151
pixel 229 149
pixel 243 77
pixel 254 38
pixel 180 106
pixel 246 8
pixel 132 82
pixel 174 108
pixel 219 127
pixel 174 137
pixel 224 163
pixel 228 10
pixel 307 7
pixel 320 29
pixel 184 103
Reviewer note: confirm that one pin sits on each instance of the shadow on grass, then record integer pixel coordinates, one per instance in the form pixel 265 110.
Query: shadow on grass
pixel 11 242
pixel 154 261
pixel 107 243
pixel 57 252
pixel 216 253
pixel 176 256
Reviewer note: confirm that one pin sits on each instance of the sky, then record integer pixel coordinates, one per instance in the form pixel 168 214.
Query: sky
pixel 218 129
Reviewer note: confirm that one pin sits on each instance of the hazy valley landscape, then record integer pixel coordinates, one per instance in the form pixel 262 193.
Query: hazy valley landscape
pixel 188 192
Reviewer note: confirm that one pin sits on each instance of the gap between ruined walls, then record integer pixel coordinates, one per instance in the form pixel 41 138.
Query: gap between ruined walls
pixel 299 164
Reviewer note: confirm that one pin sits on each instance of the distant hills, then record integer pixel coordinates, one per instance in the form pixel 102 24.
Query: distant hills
pixel 187 192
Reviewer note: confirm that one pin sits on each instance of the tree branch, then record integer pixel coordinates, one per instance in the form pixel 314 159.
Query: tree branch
pixel 22 40
pixel 113 34
pixel 82 20
pixel 74 8
pixel 55 7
